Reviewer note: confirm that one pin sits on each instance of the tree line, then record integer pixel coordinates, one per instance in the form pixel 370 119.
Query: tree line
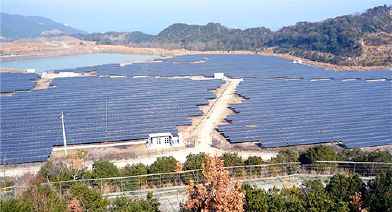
pixel 311 195
pixel 334 40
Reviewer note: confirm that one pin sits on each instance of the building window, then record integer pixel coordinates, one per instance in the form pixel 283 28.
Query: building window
pixel 158 140
pixel 166 140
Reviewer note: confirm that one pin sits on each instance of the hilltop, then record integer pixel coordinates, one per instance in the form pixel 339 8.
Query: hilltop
pixel 356 41
pixel 17 26
pixel 350 40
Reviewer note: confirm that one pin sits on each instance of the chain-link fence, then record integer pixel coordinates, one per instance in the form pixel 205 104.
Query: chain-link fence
pixel 243 173
pixel 260 173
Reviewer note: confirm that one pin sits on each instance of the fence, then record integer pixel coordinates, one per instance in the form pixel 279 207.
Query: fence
pixel 141 154
pixel 250 173
pixel 243 173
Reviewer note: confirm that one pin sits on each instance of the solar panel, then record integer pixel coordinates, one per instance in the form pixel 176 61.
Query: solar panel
pixel 96 110
pixel 11 82
pixel 287 104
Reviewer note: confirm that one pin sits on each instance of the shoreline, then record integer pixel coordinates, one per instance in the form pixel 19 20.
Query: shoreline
pixel 179 52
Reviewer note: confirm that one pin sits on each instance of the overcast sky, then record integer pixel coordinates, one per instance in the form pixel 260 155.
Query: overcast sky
pixel 152 16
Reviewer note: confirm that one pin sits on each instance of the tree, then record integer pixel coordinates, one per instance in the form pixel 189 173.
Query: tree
pixel 13 205
pixel 125 204
pixel 163 165
pixel 90 200
pixel 342 188
pixel 255 198
pixel 135 169
pixel 286 155
pixel 319 152
pixel 194 161
pixel 55 171
pixel 231 159
pixel 77 170
pixel 358 155
pixel 43 198
pixel 254 160
pixel 104 169
pixel 214 194
pixel 133 183
pixel 379 195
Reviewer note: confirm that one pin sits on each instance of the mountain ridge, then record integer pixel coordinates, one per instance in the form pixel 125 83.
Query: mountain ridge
pixel 349 40
pixel 15 26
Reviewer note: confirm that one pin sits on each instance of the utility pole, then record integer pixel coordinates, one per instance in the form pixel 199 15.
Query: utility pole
pixel 65 140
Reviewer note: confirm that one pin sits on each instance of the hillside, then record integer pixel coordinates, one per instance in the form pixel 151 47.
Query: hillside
pixel 350 40
pixel 116 38
pixel 17 26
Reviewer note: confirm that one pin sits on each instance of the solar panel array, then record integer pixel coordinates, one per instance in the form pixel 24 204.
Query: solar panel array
pixel 97 109
pixel 284 105
pixel 11 82
pixel 236 66
pixel 286 113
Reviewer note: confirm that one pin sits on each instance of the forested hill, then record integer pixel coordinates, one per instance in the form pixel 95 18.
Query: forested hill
pixel 342 38
pixel 18 26
pixel 360 39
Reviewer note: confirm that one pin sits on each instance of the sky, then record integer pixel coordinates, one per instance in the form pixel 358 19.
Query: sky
pixel 152 16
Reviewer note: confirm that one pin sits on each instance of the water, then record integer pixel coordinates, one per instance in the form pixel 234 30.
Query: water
pixel 66 62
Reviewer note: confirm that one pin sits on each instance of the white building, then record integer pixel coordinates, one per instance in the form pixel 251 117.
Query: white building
pixel 297 61
pixel 164 140
pixel 51 74
pixel 219 76
pixel 30 70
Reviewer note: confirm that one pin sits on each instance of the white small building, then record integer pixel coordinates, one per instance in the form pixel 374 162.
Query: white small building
pixel 30 70
pixel 164 140
pixel 219 76
pixel 51 74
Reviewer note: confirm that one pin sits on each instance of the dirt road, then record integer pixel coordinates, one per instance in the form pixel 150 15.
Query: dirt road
pixel 205 131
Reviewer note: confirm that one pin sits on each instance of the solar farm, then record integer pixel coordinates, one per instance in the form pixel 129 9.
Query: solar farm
pixel 11 82
pixel 285 104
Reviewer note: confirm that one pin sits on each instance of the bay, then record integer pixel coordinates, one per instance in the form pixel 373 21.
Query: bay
pixel 66 62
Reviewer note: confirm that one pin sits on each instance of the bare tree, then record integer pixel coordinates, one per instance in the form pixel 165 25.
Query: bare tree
pixel 216 193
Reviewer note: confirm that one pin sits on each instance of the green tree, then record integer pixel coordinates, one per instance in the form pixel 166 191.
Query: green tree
pixel 125 204
pixel 194 161
pixel 231 159
pixel 254 160
pixel 255 198
pixel 164 164
pixel 55 171
pixel 135 169
pixel 286 155
pixel 358 155
pixel 43 198
pixel 350 154
pixel 104 169
pixel 341 188
pixel 379 195
pixel 90 200
pixel 13 205
pixel 134 183
pixel 317 153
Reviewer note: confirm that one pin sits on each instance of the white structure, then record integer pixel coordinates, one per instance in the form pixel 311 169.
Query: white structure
pixel 219 76
pixel 65 140
pixel 164 140
pixel 297 61
pixel 30 70
pixel 50 74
